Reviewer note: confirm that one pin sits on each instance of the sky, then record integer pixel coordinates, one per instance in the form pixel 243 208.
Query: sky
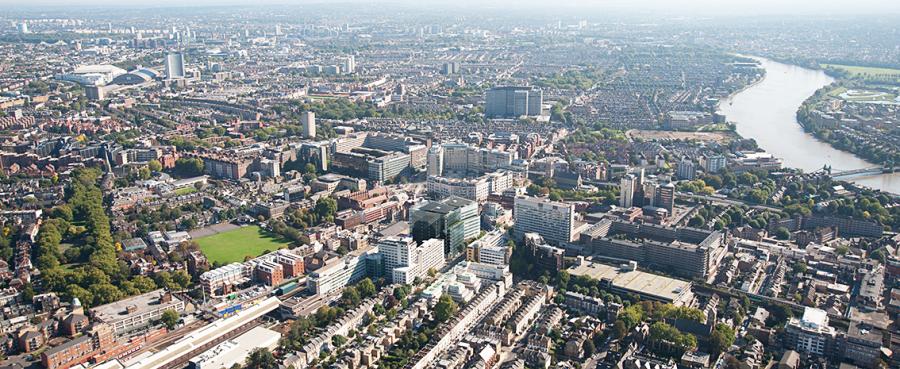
pixel 679 7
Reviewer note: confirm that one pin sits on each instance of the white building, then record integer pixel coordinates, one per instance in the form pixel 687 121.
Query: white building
pixel 405 260
pixel 460 159
pixel 435 160
pixel 491 249
pixel 137 311
pixel 713 163
pixel 626 190
pixel 686 169
pixel 175 65
pixel 235 351
pixel 555 221
pixel 339 272
pixel 221 281
pixel 308 119
pixel 810 334
pixel 348 64
pixel 92 75
pixel 475 189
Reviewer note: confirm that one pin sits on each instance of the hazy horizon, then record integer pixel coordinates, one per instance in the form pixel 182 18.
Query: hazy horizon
pixel 673 7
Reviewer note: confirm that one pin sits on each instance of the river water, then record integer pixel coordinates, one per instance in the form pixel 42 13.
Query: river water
pixel 767 112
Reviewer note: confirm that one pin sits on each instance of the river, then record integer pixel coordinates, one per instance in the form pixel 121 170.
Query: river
pixel 767 112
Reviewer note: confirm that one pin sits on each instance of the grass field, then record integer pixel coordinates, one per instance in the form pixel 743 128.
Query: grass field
pixel 865 71
pixel 185 191
pixel 234 245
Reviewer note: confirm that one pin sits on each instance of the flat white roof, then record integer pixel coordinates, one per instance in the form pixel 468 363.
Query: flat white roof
pixel 205 335
pixel 235 351
pixel 815 317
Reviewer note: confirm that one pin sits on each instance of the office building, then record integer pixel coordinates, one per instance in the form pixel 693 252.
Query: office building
pixel 308 120
pixel 626 190
pixel 686 169
pixel 450 68
pixel 95 93
pixel 435 161
pixel 542 254
pixel 387 167
pixel 665 197
pixel 462 160
pixel 222 281
pixel 862 345
pixel 269 273
pixel 713 163
pixel 68 354
pixel 339 272
pixel 456 157
pixel 137 311
pixel 683 251
pixel 811 333
pixel 492 249
pixel 226 166
pixel 22 27
pixel 404 260
pixel 475 189
pixel 175 65
pixel 554 221
pixel 513 102
pixel 348 65
pixel 395 251
pixel 453 219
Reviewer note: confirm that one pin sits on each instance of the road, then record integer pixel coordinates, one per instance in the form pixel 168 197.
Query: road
pixel 727 201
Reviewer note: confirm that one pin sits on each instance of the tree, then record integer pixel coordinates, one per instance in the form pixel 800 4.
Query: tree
pixel 144 284
pixel 366 288
pixel 555 196
pixel 732 362
pixel 83 295
pixel 309 168
pixel 63 212
pixel 154 165
pixel 721 339
pixel 563 279
pixel 350 297
pixel 338 340
pixel 445 308
pixel 189 167
pixel 261 358
pixel 28 293
pixel 170 319
pixel 105 293
pixel 164 279
pixel 619 329
pixel 782 233
pixel 326 207
pixel 632 315
pixel 144 173
pixel 182 279
pixel 661 332
pixel 589 348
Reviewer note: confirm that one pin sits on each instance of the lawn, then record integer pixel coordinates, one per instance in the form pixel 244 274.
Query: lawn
pixel 234 245
pixel 185 191
pixel 866 71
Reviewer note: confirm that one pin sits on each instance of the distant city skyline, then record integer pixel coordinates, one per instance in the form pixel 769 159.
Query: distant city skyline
pixel 674 7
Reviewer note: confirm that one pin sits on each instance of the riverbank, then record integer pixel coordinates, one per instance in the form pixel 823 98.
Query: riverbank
pixel 766 111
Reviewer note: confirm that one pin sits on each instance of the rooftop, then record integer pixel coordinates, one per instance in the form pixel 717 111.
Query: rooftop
pixel 649 284
pixel 138 304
